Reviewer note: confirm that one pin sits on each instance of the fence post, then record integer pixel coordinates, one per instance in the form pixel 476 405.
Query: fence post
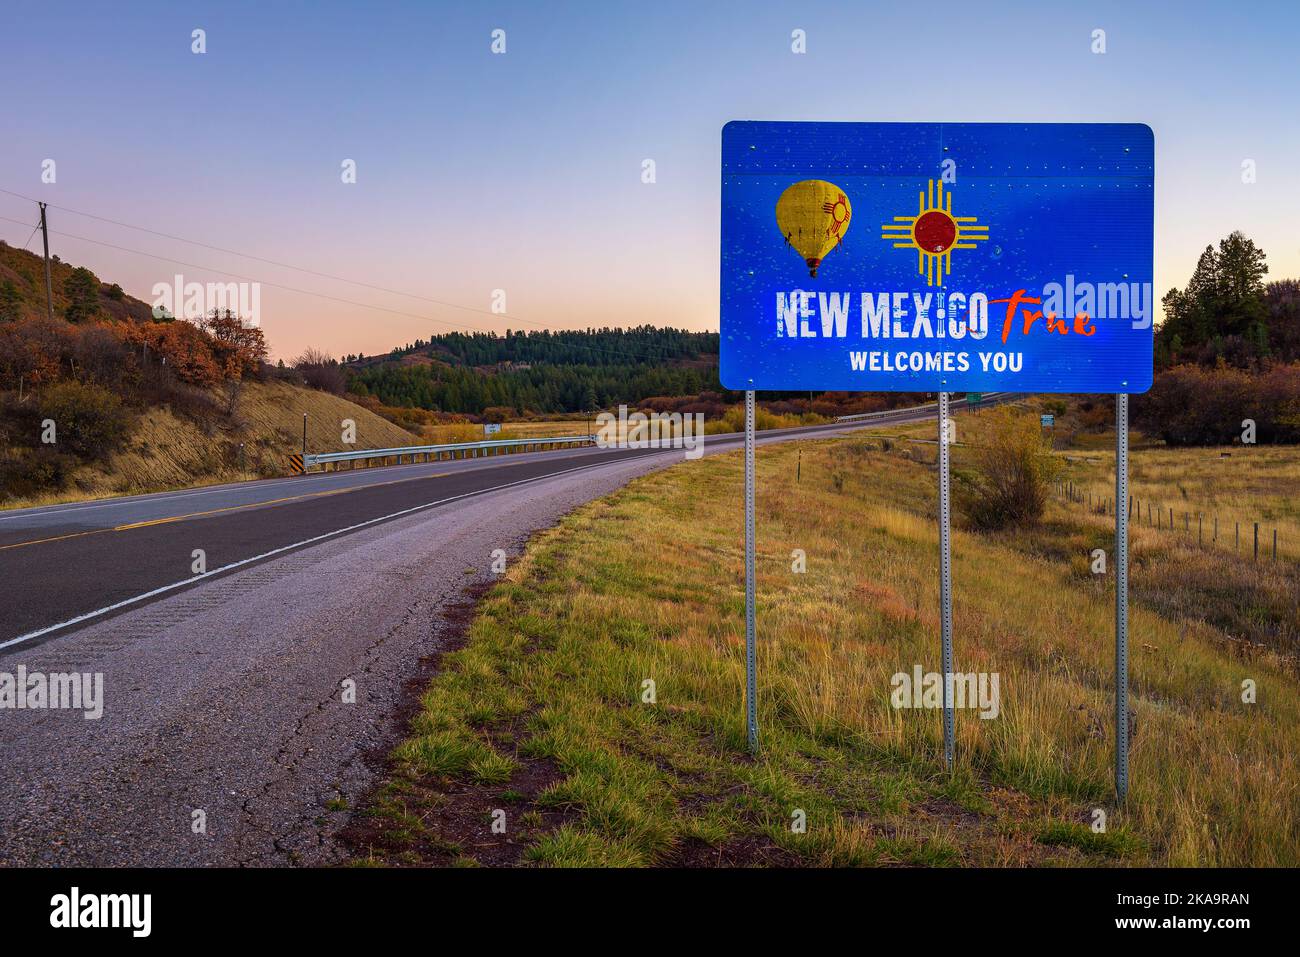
pixel 1257 541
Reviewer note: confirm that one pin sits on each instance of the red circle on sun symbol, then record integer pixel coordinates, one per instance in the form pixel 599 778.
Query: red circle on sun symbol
pixel 935 231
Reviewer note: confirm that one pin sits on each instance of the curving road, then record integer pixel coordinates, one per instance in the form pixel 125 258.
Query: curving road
pixel 225 737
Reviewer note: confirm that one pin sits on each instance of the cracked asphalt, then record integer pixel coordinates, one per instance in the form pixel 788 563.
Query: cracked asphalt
pixel 226 700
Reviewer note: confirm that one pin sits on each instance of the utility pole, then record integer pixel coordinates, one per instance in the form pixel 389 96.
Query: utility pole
pixel 49 289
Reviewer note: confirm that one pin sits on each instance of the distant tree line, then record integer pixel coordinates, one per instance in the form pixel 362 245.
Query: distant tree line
pixel 544 371
pixel 594 347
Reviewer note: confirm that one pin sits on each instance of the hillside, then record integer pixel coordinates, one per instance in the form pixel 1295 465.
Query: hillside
pixel 541 371
pixel 106 399
pixel 166 450
pixel 22 289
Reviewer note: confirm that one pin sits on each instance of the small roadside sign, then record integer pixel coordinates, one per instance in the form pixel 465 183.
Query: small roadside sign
pixel 974 398
pixel 491 428
pixel 1047 421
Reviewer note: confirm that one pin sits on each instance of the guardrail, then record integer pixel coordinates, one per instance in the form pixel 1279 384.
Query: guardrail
pixel 431 453
pixel 867 416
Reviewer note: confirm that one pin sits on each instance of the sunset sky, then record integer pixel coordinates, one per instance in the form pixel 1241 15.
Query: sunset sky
pixel 522 171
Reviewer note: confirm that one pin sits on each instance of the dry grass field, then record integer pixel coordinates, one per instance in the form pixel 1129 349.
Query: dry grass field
pixel 545 715
pixel 1238 486
pixel 473 432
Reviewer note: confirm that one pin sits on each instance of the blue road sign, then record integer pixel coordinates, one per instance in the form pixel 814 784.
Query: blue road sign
pixel 929 257
pixel 1047 421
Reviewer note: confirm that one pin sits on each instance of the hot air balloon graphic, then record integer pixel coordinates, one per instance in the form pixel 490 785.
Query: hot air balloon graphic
pixel 813 216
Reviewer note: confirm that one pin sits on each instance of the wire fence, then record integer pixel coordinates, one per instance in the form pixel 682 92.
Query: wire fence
pixel 1259 540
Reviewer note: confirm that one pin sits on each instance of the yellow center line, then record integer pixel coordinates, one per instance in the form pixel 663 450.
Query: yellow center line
pixel 217 511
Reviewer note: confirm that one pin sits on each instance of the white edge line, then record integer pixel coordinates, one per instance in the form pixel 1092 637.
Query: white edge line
pixel 285 548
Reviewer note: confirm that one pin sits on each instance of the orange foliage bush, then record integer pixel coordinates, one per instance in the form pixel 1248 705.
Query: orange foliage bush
pixel 184 347
pixel 33 352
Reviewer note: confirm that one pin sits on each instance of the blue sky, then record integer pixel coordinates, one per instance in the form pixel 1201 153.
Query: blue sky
pixel 522 171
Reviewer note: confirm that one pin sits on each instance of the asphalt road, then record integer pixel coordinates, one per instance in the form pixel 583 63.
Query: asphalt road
pixel 225 736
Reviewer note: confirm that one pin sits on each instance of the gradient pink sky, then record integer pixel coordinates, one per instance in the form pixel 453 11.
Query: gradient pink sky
pixel 523 171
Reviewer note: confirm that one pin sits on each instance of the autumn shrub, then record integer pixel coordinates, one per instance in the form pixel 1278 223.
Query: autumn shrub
pixel 1196 405
pixel 100 355
pixel 734 420
pixel 1012 473
pixel 34 352
pixel 156 385
pixel 43 469
pixel 89 420
pixel 238 346
pixel 180 345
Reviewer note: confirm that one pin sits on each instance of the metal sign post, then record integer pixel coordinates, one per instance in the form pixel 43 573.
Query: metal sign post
pixel 1121 596
pixel 751 657
pixel 945 580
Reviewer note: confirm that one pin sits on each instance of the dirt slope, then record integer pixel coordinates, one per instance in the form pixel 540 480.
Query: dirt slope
pixel 168 451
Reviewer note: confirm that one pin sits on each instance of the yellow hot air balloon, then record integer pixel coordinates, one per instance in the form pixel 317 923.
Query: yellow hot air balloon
pixel 813 216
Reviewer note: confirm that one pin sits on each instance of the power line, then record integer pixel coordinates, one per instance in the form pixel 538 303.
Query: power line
pixel 235 275
pixel 279 264
pixel 319 295
pixel 262 259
